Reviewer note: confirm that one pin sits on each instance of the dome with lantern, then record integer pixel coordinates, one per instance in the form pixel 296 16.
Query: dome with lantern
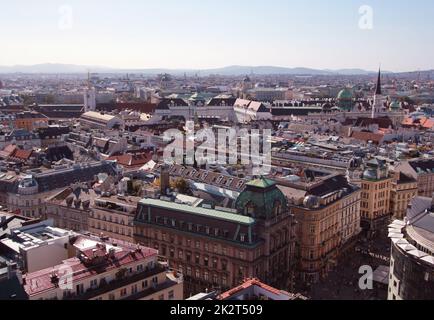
pixel 261 199
pixel 394 106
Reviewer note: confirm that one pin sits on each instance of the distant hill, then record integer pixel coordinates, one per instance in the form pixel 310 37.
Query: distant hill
pixel 52 68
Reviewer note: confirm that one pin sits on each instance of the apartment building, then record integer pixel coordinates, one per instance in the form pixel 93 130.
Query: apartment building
pixel 30 121
pixel 219 248
pixel 26 193
pixel 327 211
pixel 80 208
pixel 376 197
pixel 404 189
pixel 423 171
pixel 105 270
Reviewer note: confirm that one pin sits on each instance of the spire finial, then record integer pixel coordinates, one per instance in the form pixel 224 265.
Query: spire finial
pixel 88 79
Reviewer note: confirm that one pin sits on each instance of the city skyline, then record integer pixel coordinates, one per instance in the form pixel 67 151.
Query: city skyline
pixel 312 34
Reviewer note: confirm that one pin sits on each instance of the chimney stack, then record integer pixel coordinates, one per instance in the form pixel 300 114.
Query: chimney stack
pixel 77 203
pixel 69 201
pixel 86 205
pixel 164 179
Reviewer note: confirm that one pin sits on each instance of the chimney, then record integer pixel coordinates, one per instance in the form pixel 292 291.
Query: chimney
pixel 86 205
pixel 164 179
pixel 77 203
pixel 69 201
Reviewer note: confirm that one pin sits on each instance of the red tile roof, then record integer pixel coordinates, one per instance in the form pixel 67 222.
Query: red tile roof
pixel 41 281
pixel 424 122
pixel 367 136
pixel 22 154
pixel 428 123
pixel 132 160
pixel 247 284
pixel 8 150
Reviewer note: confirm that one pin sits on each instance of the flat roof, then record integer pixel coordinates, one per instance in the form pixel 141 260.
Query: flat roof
pixel 211 213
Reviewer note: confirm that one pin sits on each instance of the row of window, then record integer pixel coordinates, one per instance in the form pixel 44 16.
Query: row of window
pixel 110 219
pixel 197 228
pixel 196 257
pixel 109 228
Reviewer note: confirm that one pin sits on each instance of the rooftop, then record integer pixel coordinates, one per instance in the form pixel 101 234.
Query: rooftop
pixel 253 289
pixel 261 183
pixel 211 213
pixel 41 281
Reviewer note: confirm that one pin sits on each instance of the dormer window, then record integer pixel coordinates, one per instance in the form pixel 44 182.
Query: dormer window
pixel 277 208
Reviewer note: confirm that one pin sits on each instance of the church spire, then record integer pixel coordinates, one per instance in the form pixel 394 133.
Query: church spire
pixel 378 98
pixel 378 91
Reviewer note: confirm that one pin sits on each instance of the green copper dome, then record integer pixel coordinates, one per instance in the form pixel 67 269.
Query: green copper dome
pixel 345 99
pixel 395 105
pixel 261 199
pixel 345 94
pixel 197 97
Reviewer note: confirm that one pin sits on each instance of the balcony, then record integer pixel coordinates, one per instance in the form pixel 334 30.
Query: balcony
pixel 105 287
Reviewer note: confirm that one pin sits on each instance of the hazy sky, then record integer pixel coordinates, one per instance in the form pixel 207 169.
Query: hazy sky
pixel 214 33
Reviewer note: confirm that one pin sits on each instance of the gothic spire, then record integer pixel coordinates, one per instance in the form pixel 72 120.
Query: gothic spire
pixel 378 91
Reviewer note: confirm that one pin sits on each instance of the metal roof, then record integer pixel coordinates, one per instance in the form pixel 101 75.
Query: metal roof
pixel 212 213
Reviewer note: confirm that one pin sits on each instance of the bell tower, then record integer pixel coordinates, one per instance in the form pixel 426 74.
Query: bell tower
pixel 89 96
